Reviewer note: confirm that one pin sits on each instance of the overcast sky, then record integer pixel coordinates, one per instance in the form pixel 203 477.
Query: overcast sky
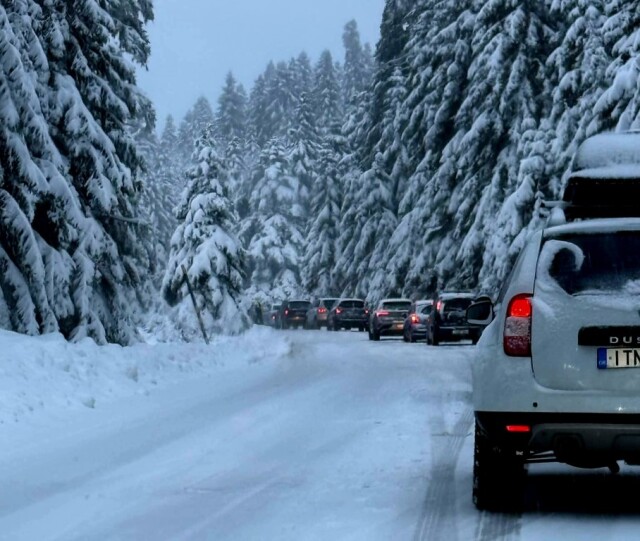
pixel 194 43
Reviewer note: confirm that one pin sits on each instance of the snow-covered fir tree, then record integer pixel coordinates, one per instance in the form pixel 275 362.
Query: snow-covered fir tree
pixel 273 228
pixel 74 248
pixel 205 250
pixel 231 115
pixel 199 118
pixel 321 247
pixel 327 95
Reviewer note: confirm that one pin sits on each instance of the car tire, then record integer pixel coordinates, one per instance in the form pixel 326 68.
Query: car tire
pixel 370 334
pixel 498 477
pixel 412 338
pixel 361 329
pixel 405 335
pixel 376 335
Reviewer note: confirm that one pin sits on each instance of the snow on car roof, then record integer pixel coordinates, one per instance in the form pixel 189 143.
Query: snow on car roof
pixel 399 299
pixel 608 155
pixel 605 225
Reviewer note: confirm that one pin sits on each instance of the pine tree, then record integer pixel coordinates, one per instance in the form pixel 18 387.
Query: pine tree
pixel 231 113
pixel 71 221
pixel 373 222
pixel 619 105
pixel 321 246
pixel 327 101
pixel 199 118
pixel 303 143
pixel 276 241
pixel 205 247
pixel 356 65
pixel 502 98
pixel 576 80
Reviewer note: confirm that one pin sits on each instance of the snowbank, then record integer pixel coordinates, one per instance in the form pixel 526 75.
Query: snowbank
pixel 48 373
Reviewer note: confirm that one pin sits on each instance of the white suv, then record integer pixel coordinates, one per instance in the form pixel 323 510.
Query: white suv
pixel 557 373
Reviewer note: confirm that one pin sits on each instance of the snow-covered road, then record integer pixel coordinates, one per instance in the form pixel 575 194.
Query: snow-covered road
pixel 335 438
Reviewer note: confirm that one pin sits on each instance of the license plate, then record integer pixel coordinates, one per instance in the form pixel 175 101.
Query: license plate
pixel 618 358
pixel 399 325
pixel 460 332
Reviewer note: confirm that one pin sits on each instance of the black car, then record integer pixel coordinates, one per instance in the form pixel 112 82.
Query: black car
pixel 448 321
pixel 348 314
pixel 293 314
pixel 388 318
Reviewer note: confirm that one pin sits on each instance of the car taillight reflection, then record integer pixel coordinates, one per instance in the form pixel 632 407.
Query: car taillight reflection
pixel 517 327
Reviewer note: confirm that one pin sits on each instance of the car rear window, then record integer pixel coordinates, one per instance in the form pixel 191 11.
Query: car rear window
pixel 593 263
pixel 299 304
pixel 397 305
pixel 456 305
pixel 352 304
pixel 329 302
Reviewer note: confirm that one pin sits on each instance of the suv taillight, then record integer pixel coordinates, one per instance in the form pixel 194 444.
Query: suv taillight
pixel 517 327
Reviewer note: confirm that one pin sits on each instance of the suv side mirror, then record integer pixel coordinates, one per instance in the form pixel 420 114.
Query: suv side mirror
pixel 480 313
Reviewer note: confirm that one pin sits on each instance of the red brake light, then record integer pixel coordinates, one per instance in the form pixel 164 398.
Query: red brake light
pixel 439 305
pixel 322 310
pixel 517 327
pixel 518 428
pixel 520 307
pixel 338 311
pixel 415 318
pixel 382 313
pixel 366 310
pixel 286 312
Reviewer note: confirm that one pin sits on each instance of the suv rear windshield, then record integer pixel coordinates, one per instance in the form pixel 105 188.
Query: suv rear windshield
pixel 352 304
pixel 397 305
pixel 593 263
pixel 299 304
pixel 456 305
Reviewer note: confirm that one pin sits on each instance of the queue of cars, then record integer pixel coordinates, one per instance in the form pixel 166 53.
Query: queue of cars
pixel 439 319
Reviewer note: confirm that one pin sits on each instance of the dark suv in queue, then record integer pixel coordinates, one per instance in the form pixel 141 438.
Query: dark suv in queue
pixel 293 314
pixel 388 318
pixel 447 322
pixel 348 314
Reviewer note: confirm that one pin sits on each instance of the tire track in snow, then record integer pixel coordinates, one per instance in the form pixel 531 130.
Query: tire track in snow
pixel 437 520
pixel 502 526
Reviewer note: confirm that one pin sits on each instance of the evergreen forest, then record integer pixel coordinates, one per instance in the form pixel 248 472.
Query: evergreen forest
pixel 418 163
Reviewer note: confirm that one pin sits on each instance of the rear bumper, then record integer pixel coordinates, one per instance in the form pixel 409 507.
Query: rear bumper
pixel 583 440
pixel 353 322
pixel 451 334
pixel 295 320
pixel 419 330
pixel 391 328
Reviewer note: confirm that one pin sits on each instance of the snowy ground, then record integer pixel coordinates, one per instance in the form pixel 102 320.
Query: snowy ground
pixel 298 435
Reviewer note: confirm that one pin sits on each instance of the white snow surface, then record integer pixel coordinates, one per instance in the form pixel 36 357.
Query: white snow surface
pixel 270 435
